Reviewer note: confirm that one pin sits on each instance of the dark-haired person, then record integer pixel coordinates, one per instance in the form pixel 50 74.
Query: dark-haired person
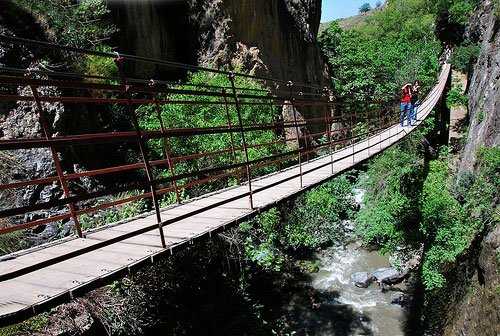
pixel 405 113
pixel 415 102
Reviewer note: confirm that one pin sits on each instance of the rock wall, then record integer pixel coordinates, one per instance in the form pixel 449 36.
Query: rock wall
pixel 484 88
pixel 475 312
pixel 270 37
pixel 469 304
pixel 155 29
pixel 275 38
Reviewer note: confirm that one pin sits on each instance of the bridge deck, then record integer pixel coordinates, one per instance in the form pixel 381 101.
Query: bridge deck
pixel 36 279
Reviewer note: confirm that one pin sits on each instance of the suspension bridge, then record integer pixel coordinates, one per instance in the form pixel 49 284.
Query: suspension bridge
pixel 41 277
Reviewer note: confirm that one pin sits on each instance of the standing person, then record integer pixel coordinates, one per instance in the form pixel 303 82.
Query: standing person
pixel 415 102
pixel 405 104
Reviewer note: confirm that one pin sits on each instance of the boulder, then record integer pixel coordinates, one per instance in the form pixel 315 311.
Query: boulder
pixel 362 279
pixel 402 300
pixel 387 275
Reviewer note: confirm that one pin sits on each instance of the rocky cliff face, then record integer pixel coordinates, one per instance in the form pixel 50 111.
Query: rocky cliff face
pixel 155 29
pixel 484 89
pixel 267 37
pixel 475 311
pixel 472 298
pixel 276 38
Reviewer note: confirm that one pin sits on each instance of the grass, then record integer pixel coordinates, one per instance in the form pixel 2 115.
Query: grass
pixel 36 324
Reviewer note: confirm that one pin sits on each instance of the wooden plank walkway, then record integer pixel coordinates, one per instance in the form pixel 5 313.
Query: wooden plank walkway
pixel 36 279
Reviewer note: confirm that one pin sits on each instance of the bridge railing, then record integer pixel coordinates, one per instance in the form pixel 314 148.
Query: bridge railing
pixel 157 174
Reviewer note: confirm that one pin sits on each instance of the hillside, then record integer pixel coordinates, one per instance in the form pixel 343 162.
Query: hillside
pixel 349 22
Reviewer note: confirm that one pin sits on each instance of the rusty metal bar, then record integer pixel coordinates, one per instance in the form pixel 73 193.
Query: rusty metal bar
pixel 55 157
pixel 229 124
pixel 135 58
pixel 166 150
pixel 257 162
pixel 290 86
pixel 242 133
pixel 142 147
pixel 130 136
pixel 353 123
pixel 329 124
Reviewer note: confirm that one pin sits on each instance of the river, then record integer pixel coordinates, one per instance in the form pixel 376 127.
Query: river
pixel 374 314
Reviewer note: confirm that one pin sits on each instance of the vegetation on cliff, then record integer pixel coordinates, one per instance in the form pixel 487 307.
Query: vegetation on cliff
pixel 409 200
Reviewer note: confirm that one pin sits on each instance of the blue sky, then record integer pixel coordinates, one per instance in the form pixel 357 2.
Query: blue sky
pixel 336 9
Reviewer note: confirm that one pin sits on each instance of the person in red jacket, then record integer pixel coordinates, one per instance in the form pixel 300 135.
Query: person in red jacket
pixel 406 93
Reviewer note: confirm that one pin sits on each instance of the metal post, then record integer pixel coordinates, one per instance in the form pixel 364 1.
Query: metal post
pixel 142 147
pixel 230 125
pixel 277 124
pixel 242 132
pixel 166 148
pixel 328 120
pixel 381 127
pixel 55 157
pixel 369 131
pixel 353 116
pixel 306 142
pixel 290 85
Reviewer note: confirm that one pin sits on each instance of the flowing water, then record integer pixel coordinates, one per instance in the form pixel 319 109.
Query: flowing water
pixel 374 314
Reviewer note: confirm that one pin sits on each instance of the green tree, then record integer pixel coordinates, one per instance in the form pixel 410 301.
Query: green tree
pixel 366 7
pixel 82 24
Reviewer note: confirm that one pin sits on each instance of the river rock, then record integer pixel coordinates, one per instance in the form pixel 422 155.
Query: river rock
pixel 362 279
pixel 387 275
pixel 402 300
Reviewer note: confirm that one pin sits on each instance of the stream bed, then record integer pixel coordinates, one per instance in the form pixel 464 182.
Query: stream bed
pixel 373 312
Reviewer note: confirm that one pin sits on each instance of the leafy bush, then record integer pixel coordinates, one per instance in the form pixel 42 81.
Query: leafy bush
pixel 261 242
pixel 11 242
pixel 366 7
pixel 81 25
pixel 316 217
pixel 460 10
pixel 443 224
pixel 389 217
pixel 481 201
pixel 313 222
pixel 456 97
pixel 98 66
pixel 464 55
pixel 210 115
pixel 371 62
pixel 114 214
pixel 449 226
pixel 34 325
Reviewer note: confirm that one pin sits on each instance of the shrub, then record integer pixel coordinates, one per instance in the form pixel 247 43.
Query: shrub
pixel 443 225
pixel 372 61
pixel 34 325
pixel 261 241
pixel 316 217
pixel 365 8
pixel 389 217
pixel 465 55
pixel 460 10
pixel 98 66
pixel 211 115
pixel 456 97
pixel 481 201
pixel 82 25
pixel 114 214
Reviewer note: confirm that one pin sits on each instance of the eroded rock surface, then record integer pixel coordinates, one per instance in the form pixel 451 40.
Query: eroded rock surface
pixel 484 88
